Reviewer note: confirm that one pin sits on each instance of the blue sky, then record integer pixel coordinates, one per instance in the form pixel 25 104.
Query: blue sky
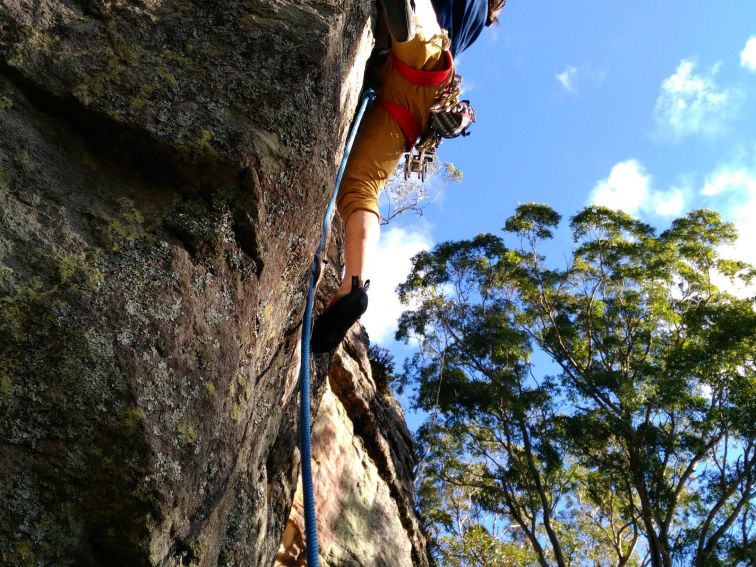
pixel 649 107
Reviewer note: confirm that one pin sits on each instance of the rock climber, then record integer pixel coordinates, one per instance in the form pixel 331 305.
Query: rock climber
pixel 425 37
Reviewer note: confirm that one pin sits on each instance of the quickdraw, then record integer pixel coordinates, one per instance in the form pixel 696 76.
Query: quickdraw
pixel 419 157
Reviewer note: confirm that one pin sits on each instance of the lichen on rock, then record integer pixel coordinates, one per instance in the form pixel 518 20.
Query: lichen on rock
pixel 163 169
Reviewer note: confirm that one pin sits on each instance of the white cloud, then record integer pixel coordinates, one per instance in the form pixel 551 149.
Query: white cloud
pixel 668 203
pixel 748 55
pixel 692 103
pixel 567 79
pixel 727 179
pixel 388 268
pixel 731 190
pixel 628 188
pixel 467 87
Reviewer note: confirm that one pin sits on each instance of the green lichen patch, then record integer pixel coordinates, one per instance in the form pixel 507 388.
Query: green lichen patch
pixel 6 382
pixel 131 225
pixel 31 310
pixel 187 433
pixel 24 554
pixel 133 416
pixel 145 93
pixel 24 313
pixel 201 148
pixel 210 387
pixel 5 102
pixel 236 412
pixel 80 269
pixel 167 76
pixel 21 160
pixel 63 408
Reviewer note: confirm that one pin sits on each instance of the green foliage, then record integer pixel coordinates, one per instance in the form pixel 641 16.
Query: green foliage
pixel 636 445
pixel 382 366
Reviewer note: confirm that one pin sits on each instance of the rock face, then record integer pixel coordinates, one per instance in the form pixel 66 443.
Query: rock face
pixel 163 169
pixel 362 454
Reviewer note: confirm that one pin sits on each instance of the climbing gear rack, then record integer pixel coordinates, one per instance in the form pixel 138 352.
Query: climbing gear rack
pixel 449 118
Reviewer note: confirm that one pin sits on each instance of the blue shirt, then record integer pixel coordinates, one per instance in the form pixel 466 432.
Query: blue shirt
pixel 463 19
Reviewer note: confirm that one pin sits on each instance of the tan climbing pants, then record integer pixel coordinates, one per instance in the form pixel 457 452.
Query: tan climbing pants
pixel 380 142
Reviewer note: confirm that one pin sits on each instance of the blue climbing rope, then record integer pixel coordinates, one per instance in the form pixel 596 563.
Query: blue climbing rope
pixel 311 531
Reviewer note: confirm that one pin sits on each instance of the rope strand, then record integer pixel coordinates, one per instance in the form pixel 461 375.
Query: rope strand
pixel 311 531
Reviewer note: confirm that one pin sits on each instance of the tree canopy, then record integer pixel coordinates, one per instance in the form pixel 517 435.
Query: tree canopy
pixel 600 413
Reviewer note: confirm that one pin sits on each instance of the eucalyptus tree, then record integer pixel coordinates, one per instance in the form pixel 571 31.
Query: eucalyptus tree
pixel 600 413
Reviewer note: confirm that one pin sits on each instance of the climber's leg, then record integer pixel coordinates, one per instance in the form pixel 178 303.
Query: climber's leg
pixel 379 145
pixel 374 157
pixel 350 302
pixel 376 153
pixel 360 240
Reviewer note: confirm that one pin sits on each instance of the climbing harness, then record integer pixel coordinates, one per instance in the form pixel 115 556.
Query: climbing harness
pixel 449 116
pixel 311 532
pixel 403 117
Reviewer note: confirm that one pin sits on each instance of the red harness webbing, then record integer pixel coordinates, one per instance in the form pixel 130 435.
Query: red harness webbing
pixel 403 117
pixel 423 78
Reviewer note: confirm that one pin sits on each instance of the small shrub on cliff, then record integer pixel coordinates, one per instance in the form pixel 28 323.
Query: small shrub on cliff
pixel 381 366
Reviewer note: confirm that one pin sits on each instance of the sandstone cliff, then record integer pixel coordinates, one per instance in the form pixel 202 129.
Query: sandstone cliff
pixel 163 168
pixel 363 457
